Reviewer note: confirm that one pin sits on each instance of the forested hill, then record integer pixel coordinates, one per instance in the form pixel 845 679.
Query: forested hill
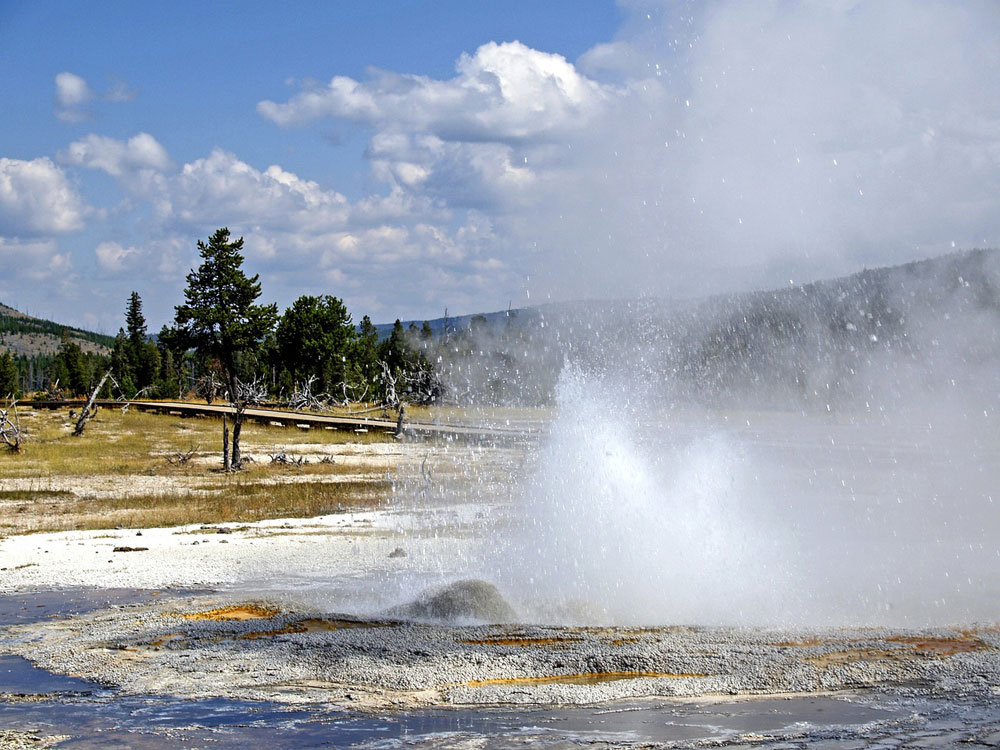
pixel 27 335
pixel 871 337
pixel 869 340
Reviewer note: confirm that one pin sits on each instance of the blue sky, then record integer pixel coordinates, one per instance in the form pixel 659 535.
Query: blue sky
pixel 412 156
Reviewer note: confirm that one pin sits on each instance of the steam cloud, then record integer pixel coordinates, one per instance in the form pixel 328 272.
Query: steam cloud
pixel 748 144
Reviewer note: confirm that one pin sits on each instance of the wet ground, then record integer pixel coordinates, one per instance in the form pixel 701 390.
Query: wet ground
pixel 94 718
pixel 35 704
pixel 100 720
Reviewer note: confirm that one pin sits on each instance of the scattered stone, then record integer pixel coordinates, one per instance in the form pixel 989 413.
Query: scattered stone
pixel 131 549
pixel 398 552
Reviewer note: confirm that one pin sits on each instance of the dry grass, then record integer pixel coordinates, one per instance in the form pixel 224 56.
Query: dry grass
pixel 139 443
pixel 238 501
pixel 117 474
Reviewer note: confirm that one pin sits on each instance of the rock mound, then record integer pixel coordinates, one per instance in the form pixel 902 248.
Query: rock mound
pixel 461 601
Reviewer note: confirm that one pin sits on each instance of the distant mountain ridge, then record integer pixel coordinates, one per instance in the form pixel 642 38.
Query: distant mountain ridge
pixel 25 334
pixel 462 322
pixel 905 274
pixel 879 338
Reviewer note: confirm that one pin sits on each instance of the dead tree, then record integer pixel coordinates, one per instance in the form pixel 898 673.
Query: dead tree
pixel 127 402
pixel 423 385
pixel 90 409
pixel 10 430
pixel 183 457
pixel 54 392
pixel 242 394
pixel 226 465
pixel 120 396
pixel 351 394
pixel 303 398
pixel 208 387
pixel 249 393
pixel 284 458
pixel 389 380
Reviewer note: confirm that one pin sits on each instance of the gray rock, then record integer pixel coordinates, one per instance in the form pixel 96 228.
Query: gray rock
pixel 461 601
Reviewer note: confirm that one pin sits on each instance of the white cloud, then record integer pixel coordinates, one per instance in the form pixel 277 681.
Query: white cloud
pixel 141 151
pixel 32 260
pixel 462 174
pixel 72 96
pixel 113 258
pixel 170 255
pixel 221 188
pixel 299 235
pixel 36 199
pixel 502 92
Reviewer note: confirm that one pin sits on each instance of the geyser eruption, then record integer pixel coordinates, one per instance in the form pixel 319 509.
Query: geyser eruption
pixel 624 521
pixel 750 518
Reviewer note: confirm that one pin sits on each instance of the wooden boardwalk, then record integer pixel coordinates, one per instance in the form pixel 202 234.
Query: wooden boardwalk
pixel 302 420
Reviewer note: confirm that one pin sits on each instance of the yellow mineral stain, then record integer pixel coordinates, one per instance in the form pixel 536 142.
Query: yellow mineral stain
pixel 941 646
pixel 850 655
pixel 313 625
pixel 922 646
pixel 235 612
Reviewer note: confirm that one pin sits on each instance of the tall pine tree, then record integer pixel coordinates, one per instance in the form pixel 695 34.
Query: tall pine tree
pixel 220 318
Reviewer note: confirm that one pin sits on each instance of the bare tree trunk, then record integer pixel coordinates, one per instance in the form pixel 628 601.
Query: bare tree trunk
pixel 86 414
pixel 226 467
pixel 237 401
pixel 401 420
pixel 237 426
